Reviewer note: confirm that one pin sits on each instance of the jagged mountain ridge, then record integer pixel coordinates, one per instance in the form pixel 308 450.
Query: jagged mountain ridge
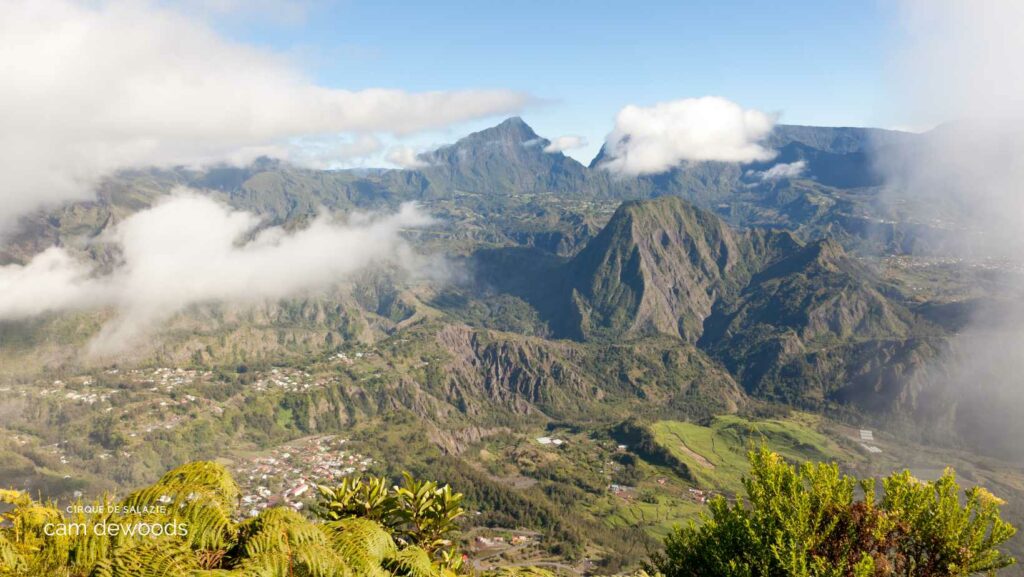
pixel 801 323
pixel 502 163
pixel 660 267
pixel 672 310
pixel 815 301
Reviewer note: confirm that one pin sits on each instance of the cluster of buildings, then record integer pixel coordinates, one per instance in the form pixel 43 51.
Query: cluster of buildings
pixel 168 378
pixel 167 422
pixel 60 390
pixel 88 398
pixel 349 360
pixel 291 380
pixel 289 474
pixel 484 542
pixel 986 263
pixel 85 389
pixel 622 491
pixel 867 437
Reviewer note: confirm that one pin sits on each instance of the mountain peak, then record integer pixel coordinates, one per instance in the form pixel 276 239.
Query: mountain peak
pixel 514 121
pixel 506 158
pixel 511 132
pixel 513 129
pixel 656 267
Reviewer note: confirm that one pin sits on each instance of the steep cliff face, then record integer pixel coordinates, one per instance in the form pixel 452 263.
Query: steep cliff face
pixel 532 376
pixel 656 268
pixel 804 324
pixel 663 266
pixel 818 291
pixel 782 335
pixel 524 375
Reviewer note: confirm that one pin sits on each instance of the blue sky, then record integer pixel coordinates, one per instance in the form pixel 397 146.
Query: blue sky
pixel 104 85
pixel 813 62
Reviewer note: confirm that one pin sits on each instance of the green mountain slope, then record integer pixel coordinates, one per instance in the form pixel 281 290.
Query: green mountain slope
pixel 656 268
pixel 817 325
pixel 805 324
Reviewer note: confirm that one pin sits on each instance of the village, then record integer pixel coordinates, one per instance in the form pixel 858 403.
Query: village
pixel 288 475
pixel 290 380
pixel 123 409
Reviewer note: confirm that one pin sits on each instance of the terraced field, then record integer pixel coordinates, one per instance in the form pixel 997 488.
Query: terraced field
pixel 717 454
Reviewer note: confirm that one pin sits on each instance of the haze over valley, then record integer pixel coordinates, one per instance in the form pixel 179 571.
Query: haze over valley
pixel 250 266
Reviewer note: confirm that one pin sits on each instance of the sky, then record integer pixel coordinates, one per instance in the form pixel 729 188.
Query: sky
pixel 810 62
pixel 97 86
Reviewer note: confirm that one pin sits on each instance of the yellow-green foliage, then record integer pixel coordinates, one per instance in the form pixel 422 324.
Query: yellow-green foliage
pixel 411 539
pixel 520 572
pixel 420 513
pixel 808 522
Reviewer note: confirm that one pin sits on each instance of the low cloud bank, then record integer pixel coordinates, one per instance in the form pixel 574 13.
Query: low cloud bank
pixel 958 65
pixel 651 140
pixel 91 87
pixel 405 157
pixel 190 249
pixel 782 170
pixel 563 143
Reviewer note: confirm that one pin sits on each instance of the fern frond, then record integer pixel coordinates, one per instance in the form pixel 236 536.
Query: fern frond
pixel 363 543
pixel 280 542
pixel 412 562
pixel 161 557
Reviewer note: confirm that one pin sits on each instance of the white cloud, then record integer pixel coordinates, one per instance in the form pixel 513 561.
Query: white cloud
pixel 913 128
pixel 189 249
pixel 94 86
pixel 782 170
pixel 330 153
pixel 959 60
pixel 52 281
pixel 657 138
pixel 958 64
pixel 567 142
pixel 405 157
pixel 279 11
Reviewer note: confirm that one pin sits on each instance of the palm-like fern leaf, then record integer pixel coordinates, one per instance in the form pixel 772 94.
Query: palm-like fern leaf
pixel 281 543
pixel 162 557
pixel 365 544
pixel 412 562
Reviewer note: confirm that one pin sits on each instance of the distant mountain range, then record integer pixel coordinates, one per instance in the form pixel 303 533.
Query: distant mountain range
pixel 619 315
pixel 757 275
pixel 837 192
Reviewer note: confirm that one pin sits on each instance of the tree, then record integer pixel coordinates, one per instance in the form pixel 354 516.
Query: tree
pixel 807 522
pixel 418 514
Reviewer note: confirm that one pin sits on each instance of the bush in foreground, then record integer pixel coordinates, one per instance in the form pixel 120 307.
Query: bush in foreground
pixel 807 521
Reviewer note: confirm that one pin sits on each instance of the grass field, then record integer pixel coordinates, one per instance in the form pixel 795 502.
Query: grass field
pixel 717 454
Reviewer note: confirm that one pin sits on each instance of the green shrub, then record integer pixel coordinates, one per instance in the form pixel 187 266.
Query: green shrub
pixel 808 522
